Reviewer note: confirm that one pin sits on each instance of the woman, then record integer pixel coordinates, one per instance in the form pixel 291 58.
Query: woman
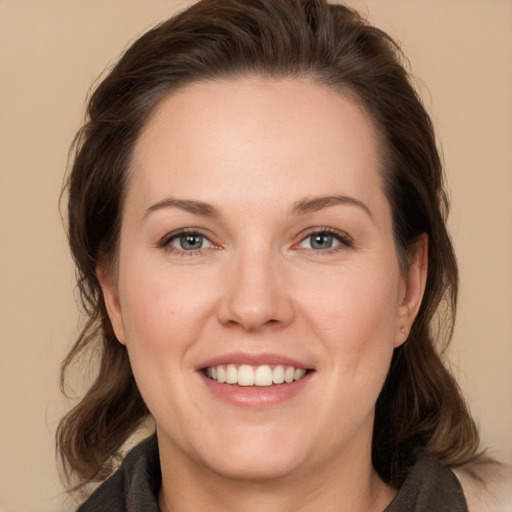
pixel 257 215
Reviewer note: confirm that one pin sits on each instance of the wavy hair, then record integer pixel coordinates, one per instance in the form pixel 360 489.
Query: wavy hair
pixel 420 404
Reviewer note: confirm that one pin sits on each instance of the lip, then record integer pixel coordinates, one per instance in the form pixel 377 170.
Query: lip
pixel 254 396
pixel 239 358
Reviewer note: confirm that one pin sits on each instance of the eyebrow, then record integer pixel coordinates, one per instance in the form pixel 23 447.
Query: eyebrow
pixel 318 203
pixel 195 207
pixel 301 207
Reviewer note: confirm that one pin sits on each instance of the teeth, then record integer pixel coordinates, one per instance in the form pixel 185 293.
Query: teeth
pixel 246 375
pixel 299 373
pixel 263 376
pixel 231 374
pixel 278 375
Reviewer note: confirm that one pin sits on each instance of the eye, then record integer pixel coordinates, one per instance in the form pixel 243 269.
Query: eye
pixel 324 240
pixel 320 241
pixel 188 242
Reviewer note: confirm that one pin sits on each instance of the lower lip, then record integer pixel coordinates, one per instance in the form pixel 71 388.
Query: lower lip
pixel 255 396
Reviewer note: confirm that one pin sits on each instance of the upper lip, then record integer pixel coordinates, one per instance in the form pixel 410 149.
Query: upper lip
pixel 261 359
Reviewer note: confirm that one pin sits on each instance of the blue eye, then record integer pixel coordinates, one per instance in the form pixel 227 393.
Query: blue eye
pixel 323 240
pixel 189 242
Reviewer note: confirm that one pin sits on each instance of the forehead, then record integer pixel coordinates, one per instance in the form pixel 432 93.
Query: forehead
pixel 268 137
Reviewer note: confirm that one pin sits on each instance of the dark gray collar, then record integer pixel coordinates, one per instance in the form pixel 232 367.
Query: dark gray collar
pixel 429 486
pixel 134 487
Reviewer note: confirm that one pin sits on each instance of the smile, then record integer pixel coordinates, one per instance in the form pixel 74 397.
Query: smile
pixel 247 375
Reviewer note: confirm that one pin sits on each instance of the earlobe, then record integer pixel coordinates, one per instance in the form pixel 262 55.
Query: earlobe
pixel 110 290
pixel 415 283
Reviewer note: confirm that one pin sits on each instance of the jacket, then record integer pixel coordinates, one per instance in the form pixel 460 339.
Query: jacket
pixel 430 486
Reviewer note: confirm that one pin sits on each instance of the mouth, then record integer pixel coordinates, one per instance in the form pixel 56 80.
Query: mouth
pixel 255 380
pixel 246 375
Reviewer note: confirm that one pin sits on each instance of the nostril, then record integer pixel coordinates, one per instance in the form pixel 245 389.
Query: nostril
pixel 247 307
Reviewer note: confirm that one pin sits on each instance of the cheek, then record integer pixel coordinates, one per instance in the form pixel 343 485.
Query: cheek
pixel 355 315
pixel 355 300
pixel 160 323
pixel 160 309
pixel 158 326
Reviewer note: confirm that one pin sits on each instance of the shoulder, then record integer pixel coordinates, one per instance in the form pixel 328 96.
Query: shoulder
pixel 487 486
pixel 134 486
pixel 429 485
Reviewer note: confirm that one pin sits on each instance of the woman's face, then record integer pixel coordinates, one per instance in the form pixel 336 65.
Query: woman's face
pixel 255 238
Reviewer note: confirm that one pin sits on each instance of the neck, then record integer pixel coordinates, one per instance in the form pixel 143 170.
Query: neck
pixel 334 488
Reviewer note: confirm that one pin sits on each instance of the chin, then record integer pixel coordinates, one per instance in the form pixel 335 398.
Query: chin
pixel 258 454
pixel 250 469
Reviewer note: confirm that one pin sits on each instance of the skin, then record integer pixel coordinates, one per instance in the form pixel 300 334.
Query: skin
pixel 253 149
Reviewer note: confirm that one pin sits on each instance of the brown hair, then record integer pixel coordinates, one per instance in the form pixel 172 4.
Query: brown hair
pixel 420 404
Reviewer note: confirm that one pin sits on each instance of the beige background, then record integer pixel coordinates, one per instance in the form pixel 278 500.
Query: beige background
pixel 50 52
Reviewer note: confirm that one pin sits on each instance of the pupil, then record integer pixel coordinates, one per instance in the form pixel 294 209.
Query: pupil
pixel 191 241
pixel 322 241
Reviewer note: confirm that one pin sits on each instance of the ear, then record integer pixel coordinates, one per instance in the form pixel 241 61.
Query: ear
pixel 109 287
pixel 414 288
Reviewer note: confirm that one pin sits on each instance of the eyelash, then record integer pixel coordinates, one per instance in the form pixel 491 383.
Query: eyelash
pixel 165 242
pixel 345 241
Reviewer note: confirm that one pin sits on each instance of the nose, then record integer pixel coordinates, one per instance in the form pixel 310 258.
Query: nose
pixel 255 295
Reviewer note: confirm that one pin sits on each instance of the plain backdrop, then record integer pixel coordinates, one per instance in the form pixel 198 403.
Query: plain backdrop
pixel 51 51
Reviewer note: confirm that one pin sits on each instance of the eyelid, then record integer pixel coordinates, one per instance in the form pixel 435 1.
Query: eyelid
pixel 344 238
pixel 164 242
